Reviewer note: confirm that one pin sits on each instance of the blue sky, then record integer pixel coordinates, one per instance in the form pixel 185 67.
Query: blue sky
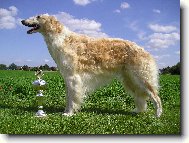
pixel 153 24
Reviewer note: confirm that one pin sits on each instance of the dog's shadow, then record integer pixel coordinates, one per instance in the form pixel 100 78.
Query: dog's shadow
pixel 55 109
pixel 108 111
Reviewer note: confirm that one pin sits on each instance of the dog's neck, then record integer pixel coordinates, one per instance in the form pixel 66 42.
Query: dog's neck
pixel 56 46
pixel 56 38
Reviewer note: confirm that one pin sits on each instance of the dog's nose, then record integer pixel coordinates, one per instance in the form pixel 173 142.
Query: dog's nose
pixel 23 22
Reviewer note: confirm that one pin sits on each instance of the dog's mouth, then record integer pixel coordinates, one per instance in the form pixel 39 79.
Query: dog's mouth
pixel 34 28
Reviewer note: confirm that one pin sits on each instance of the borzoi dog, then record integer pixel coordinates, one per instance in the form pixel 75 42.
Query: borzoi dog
pixel 87 63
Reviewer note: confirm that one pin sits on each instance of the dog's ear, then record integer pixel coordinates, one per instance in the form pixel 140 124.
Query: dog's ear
pixel 56 24
pixel 53 25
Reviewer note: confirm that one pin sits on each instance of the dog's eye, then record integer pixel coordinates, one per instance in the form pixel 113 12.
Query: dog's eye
pixel 38 17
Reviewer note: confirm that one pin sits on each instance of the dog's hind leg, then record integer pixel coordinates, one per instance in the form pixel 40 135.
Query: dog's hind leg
pixel 134 89
pixel 74 95
pixel 150 90
pixel 140 103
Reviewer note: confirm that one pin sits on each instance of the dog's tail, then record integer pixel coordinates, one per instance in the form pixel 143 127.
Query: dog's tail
pixel 153 91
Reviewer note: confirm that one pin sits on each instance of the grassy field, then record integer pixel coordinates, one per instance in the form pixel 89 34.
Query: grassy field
pixel 106 111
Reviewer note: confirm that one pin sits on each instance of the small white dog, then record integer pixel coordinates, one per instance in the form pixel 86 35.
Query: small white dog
pixel 87 63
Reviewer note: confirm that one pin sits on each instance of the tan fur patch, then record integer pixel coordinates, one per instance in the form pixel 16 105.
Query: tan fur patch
pixel 104 53
pixel 52 25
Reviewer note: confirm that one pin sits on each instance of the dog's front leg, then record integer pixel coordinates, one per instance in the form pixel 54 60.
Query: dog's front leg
pixel 74 94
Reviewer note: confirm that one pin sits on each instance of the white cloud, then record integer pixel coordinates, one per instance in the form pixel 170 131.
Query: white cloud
pixel 28 60
pixel 83 2
pixel 117 11
pixel 156 11
pixel 18 61
pixel 83 26
pixel 161 56
pixel 8 18
pixel 14 10
pixel 163 36
pixel 134 26
pixel 46 60
pixel 124 5
pixel 162 40
pixel 161 28
pixel 177 52
pixel 141 35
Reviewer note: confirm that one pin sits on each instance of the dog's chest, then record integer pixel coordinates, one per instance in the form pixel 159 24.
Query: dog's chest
pixel 63 58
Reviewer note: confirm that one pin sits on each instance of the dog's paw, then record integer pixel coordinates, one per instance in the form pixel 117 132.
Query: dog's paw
pixel 135 111
pixel 68 114
pixel 139 110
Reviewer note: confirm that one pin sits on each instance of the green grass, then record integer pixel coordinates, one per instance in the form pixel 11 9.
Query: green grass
pixel 106 111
